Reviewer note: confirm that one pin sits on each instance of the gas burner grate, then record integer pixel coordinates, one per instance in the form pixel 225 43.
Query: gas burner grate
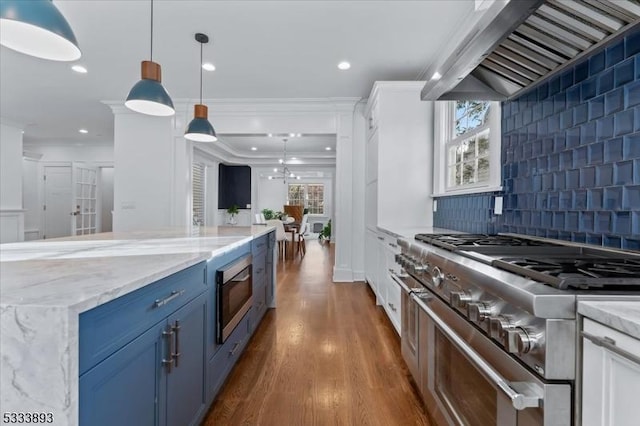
pixel 581 273
pixel 466 241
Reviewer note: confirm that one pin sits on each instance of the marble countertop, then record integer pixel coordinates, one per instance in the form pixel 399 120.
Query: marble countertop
pixel 623 316
pixel 82 272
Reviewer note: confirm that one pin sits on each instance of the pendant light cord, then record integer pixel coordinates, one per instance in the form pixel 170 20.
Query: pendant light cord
pixel 151 59
pixel 201 73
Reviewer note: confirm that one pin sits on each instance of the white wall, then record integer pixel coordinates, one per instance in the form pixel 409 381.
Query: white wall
pixel 11 214
pixel 358 170
pixel 105 189
pixel 31 198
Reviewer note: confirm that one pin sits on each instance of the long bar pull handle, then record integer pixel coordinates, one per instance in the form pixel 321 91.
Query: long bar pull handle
pixel 168 334
pixel 233 351
pixel 176 330
pixel 520 400
pixel 243 278
pixel 174 295
pixel 610 344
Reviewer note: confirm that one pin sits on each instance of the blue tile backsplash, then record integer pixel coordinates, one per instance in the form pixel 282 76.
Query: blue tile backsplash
pixel 570 157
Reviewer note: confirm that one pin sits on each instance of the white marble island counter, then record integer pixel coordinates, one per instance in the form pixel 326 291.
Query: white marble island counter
pixel 45 285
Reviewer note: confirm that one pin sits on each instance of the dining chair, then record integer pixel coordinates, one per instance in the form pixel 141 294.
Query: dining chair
pixel 304 225
pixel 281 236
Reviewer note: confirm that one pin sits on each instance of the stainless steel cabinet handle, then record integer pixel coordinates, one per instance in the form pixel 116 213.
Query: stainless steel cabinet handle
pixel 176 330
pixel 610 344
pixel 519 400
pixel 235 347
pixel 393 245
pixel 381 238
pixel 174 295
pixel 392 306
pixel 370 122
pixel 168 334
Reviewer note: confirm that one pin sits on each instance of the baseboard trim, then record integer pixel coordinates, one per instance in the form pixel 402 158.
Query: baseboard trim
pixel 342 275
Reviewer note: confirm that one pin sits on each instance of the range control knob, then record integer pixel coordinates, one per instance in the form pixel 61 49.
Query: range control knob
pixel 478 311
pixel 459 298
pixel 436 277
pixel 521 340
pixel 498 326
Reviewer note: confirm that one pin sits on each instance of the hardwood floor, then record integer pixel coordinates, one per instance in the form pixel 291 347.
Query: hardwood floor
pixel 325 356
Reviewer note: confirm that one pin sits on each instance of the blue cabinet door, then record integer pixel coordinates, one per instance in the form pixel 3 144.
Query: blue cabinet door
pixel 127 388
pixel 186 393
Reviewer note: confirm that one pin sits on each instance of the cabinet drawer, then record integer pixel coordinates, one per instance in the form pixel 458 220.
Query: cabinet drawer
pixel 259 244
pixel 225 358
pixel 394 295
pixel 259 267
pixel 107 328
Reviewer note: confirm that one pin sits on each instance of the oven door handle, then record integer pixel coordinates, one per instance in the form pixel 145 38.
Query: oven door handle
pixel 243 278
pixel 398 279
pixel 519 400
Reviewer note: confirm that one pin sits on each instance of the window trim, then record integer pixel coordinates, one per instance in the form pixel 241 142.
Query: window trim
pixel 306 196
pixel 444 116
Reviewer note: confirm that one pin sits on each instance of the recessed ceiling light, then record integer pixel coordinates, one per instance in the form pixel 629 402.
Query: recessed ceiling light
pixel 270 135
pixel 436 76
pixel 275 170
pixel 292 135
pixel 79 69
pixel 328 148
pixel 299 134
pixel 344 65
pixel 208 66
pixel 83 131
pixel 294 158
pixel 253 148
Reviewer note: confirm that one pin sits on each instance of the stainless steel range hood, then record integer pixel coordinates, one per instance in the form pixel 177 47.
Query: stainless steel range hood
pixel 523 42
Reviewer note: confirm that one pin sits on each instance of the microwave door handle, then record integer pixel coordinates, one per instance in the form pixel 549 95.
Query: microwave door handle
pixel 519 400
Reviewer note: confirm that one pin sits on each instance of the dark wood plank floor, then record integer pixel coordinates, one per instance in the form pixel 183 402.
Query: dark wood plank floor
pixel 325 356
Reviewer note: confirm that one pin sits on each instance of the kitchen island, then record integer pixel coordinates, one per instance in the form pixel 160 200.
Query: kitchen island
pixel 45 286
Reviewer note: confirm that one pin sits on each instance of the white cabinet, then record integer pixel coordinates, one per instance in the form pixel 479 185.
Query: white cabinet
pixel 399 150
pixel 610 376
pixel 380 251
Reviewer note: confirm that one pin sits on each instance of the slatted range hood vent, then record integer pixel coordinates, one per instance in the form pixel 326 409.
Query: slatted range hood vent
pixel 556 34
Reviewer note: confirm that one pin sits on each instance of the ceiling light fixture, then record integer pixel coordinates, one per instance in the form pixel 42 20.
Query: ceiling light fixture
pixel 148 96
pixel 200 129
pixel 328 148
pixel 208 66
pixel 79 69
pixel 37 28
pixel 436 76
pixel 284 173
pixel 344 65
pixel 83 131
pixel 253 148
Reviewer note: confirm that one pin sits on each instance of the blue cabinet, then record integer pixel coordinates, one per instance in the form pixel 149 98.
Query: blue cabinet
pixel 158 378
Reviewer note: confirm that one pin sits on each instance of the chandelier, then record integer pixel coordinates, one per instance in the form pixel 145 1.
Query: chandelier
pixel 283 173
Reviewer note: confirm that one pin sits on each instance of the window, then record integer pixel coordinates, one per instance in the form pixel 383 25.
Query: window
pixel 198 193
pixel 310 195
pixel 468 147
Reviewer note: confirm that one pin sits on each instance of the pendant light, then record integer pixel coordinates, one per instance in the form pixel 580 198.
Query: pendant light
pixel 200 130
pixel 148 96
pixel 37 28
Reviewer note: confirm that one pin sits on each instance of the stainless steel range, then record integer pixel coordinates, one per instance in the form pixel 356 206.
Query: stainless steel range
pixel 492 319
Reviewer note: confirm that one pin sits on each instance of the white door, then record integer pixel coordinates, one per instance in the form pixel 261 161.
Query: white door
pixel 84 183
pixel 57 200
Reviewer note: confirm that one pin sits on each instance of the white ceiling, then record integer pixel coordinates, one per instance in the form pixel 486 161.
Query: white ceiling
pixel 262 49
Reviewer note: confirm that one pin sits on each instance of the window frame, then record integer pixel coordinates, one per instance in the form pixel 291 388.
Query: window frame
pixel 445 138
pixel 305 196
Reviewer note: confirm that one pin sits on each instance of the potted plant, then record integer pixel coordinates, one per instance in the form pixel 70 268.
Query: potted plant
pixel 268 214
pixel 232 212
pixel 325 234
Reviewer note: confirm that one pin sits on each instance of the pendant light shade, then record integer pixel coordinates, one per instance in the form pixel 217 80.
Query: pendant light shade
pixel 37 28
pixel 148 96
pixel 199 129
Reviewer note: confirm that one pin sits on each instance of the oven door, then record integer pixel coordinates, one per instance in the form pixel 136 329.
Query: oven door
pixel 466 379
